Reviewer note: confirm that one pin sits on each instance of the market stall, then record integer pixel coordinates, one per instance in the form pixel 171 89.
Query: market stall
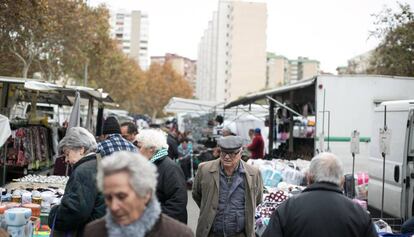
pixel 34 195
pixel 34 109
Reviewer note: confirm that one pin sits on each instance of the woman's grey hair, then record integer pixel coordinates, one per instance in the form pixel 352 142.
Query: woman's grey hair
pixel 142 173
pixel 326 167
pixel 77 138
pixel 153 138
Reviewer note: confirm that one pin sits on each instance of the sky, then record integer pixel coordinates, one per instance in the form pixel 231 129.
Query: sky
pixel 330 31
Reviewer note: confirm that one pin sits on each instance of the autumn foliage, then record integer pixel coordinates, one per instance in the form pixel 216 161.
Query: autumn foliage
pixel 60 38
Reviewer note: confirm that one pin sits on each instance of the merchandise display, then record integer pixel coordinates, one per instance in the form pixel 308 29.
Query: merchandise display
pixel 29 147
pixel 52 179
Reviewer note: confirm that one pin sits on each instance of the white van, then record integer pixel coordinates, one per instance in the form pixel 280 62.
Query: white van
pixel 399 171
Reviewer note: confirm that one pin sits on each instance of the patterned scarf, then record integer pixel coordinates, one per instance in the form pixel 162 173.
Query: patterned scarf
pixel 138 228
pixel 159 154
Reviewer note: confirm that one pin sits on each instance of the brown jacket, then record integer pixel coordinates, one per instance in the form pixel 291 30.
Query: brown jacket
pixel 165 226
pixel 206 195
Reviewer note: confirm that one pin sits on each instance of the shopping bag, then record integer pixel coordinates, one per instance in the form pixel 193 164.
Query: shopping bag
pixel 291 175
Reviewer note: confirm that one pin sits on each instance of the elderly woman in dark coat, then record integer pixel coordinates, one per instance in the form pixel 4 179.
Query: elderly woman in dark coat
pixel 82 202
pixel 171 189
pixel 128 182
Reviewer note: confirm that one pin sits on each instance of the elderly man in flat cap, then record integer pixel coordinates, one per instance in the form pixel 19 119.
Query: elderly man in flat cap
pixel 227 190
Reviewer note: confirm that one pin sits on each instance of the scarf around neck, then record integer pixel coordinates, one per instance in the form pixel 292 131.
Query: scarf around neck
pixel 138 228
pixel 159 154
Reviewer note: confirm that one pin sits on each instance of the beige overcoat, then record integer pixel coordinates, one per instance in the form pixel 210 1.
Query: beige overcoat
pixel 206 194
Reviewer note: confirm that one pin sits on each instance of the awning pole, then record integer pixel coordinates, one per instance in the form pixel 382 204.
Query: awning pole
pixel 271 126
pixel 284 106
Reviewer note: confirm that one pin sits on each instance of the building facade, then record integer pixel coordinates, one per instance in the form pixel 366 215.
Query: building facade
pixel 232 52
pixel 185 67
pixel 357 65
pixel 130 29
pixel 282 71
pixel 276 70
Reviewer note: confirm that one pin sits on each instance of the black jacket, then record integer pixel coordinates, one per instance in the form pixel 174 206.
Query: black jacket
pixel 172 189
pixel 172 146
pixel 320 210
pixel 82 202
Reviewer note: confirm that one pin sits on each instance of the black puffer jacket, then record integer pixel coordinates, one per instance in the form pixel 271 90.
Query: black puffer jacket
pixel 81 203
pixel 320 210
pixel 172 189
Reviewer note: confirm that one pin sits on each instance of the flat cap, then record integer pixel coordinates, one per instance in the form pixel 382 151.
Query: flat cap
pixel 230 143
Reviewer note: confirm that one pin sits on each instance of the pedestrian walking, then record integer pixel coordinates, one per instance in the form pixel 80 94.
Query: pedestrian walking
pixel 128 182
pixel 227 190
pixel 129 131
pixel 256 147
pixel 171 188
pixel 113 141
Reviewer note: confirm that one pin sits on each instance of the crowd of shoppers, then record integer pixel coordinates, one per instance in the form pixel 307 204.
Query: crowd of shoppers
pixel 133 183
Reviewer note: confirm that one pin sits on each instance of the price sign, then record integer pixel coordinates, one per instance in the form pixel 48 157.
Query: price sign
pixel 384 141
pixel 355 142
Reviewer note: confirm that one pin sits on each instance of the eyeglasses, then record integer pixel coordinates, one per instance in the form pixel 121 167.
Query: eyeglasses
pixel 230 154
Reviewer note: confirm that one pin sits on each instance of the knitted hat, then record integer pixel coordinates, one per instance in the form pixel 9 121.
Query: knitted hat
pixel 111 126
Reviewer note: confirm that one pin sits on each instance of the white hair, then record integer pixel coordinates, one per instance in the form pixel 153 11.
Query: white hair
pixel 326 167
pixel 142 173
pixel 77 138
pixel 154 138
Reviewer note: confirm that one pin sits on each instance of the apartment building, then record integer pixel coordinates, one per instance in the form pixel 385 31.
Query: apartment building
pixel 281 70
pixel 130 29
pixel 232 52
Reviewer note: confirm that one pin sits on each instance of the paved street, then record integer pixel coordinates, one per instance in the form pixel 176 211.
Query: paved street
pixel 193 212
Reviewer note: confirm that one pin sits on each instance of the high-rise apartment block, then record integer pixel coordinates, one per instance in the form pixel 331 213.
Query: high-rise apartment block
pixel 282 71
pixel 232 52
pixel 183 66
pixel 130 29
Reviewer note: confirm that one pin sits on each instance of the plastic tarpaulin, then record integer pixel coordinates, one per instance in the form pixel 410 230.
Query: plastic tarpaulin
pixel 5 130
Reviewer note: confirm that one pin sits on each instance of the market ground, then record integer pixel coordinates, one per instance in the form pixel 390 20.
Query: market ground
pixel 193 212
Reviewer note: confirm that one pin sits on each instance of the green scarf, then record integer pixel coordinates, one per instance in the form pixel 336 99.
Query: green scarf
pixel 159 154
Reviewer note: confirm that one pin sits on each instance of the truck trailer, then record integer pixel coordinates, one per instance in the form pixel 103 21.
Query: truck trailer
pixel 339 105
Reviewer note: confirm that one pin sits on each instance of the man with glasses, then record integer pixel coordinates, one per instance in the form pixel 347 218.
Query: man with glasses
pixel 227 190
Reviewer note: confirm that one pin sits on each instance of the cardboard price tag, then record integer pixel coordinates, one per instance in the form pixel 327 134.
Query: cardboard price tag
pixel 355 142
pixel 385 141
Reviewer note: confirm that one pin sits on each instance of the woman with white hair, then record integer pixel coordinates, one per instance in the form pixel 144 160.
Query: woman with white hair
pixel 128 182
pixel 82 202
pixel 171 188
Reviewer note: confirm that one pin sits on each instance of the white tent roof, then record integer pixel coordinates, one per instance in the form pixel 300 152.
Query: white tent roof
pixel 181 105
